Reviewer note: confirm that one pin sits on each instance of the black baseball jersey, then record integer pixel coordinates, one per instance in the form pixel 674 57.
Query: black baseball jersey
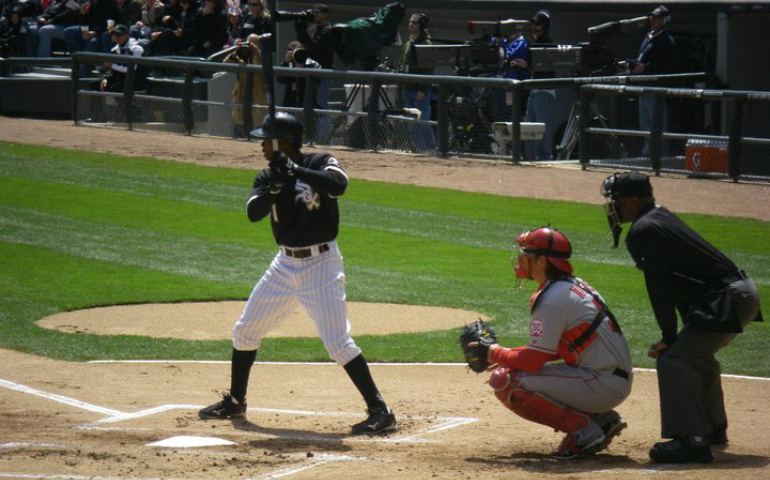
pixel 305 211
pixel 678 264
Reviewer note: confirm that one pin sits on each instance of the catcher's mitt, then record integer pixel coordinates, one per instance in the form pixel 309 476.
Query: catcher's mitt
pixel 476 355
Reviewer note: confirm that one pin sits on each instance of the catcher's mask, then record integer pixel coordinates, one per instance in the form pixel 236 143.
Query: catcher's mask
pixel 617 186
pixel 545 241
pixel 284 126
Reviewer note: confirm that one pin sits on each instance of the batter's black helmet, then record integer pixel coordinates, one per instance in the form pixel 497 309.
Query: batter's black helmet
pixel 284 127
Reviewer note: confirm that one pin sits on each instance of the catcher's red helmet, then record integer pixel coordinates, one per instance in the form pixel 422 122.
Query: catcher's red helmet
pixel 550 243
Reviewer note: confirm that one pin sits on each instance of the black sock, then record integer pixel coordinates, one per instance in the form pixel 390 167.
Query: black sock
pixel 358 371
pixel 239 371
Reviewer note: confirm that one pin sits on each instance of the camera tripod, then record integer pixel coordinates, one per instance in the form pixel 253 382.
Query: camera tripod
pixel 569 139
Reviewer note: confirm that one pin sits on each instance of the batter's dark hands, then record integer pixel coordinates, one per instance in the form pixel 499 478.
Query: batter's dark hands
pixel 275 180
pixel 655 349
pixel 283 163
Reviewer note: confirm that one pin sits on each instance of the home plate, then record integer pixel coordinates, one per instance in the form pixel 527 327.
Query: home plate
pixel 188 441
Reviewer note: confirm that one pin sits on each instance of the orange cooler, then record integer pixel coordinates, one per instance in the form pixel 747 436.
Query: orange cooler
pixel 705 156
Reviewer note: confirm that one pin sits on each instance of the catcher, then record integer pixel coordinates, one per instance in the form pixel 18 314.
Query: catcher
pixel 570 322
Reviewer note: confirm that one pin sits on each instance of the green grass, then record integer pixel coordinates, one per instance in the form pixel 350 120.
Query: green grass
pixel 80 229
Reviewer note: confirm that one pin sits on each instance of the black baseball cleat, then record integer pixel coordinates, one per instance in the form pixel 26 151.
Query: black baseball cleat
pixel 229 407
pixel 682 450
pixel 380 420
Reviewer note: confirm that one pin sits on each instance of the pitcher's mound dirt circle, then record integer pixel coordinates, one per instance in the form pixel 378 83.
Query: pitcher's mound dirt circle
pixel 214 320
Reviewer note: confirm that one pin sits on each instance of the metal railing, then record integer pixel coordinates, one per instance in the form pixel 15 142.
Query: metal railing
pixel 731 155
pixel 445 86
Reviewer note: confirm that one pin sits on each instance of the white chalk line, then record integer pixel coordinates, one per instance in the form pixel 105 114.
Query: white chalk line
pixel 115 416
pixel 58 398
pixel 18 445
pixel 383 364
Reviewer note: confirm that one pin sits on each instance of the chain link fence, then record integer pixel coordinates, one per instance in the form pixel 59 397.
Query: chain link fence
pixel 676 130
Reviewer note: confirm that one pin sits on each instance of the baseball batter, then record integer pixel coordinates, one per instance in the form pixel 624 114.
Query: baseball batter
pixel 299 192
pixel 571 322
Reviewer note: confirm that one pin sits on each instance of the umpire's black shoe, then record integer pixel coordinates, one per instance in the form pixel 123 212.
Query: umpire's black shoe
pixel 682 450
pixel 229 407
pixel 380 420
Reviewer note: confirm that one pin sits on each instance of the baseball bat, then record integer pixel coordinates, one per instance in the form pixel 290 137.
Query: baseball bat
pixel 267 50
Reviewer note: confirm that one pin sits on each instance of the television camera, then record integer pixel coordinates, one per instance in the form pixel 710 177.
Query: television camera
pixel 590 58
pixel 303 16
pixel 477 56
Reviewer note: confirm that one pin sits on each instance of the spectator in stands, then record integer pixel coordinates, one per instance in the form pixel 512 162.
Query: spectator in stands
pixel 152 20
pixel 317 39
pixel 173 9
pixel 539 101
pixel 210 29
pixel 129 12
pixel 234 34
pixel 177 37
pixel 13 33
pixel 248 54
pixel 257 18
pixel 418 95
pixel 296 57
pixel 50 26
pixel 87 34
pixel 114 80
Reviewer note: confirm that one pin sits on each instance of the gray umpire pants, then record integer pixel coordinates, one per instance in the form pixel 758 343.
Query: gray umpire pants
pixel 691 398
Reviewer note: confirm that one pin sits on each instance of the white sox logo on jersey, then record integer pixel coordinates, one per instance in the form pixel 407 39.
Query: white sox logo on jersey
pixel 306 194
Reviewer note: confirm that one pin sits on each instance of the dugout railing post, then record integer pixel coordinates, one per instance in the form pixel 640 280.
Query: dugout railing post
pixel 372 115
pixel 187 93
pixel 442 125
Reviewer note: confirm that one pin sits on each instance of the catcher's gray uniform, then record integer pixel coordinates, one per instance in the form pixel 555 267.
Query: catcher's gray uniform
pixel 592 381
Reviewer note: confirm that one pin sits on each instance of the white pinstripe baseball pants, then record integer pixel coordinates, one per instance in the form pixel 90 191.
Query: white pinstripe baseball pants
pixel 318 284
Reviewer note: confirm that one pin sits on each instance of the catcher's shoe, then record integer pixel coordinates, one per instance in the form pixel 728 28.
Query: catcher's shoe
pixel 380 420
pixel 583 442
pixel 612 424
pixel 229 407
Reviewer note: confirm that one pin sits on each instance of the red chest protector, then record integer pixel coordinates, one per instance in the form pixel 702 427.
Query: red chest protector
pixel 576 340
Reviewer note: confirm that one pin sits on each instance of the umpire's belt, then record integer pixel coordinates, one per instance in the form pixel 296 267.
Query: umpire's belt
pixel 305 252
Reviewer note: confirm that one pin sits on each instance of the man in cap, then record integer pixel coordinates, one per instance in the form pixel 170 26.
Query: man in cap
pixel 569 321
pixel 716 300
pixel 539 101
pixel 115 78
pixel 299 192
pixel 657 56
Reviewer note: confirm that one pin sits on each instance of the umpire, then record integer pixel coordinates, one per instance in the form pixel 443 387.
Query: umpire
pixel 715 300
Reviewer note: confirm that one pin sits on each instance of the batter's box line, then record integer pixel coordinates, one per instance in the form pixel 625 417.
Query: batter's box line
pixel 447 423
pixel 116 416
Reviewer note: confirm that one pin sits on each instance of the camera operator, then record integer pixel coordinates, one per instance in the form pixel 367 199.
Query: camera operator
pixel 246 54
pixel 417 95
pixel 657 55
pixel 515 66
pixel 317 39
pixel 539 101
pixel 295 57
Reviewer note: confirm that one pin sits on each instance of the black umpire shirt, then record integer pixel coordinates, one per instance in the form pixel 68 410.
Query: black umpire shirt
pixel 306 207
pixel 678 264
